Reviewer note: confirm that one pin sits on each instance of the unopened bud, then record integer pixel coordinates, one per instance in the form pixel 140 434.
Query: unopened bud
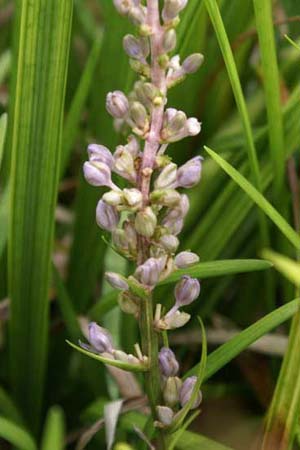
pixel 186 259
pixel 113 198
pixel 189 174
pixel 101 154
pixel 116 281
pixel 126 358
pixel 176 320
pixel 168 363
pixel 117 104
pixel 167 177
pixel 186 291
pixel 137 15
pixel 123 6
pixel 169 242
pixel 133 146
pixel 107 216
pixel 171 390
pixel 193 126
pixel 136 48
pixel 174 124
pixel 97 173
pixel 100 339
pixel 138 115
pixel 186 392
pixel 145 222
pixel 149 272
pixel 165 415
pixel 165 197
pixel 124 163
pixel 192 63
pixel 133 197
pixel 172 8
pixel 128 304
pixel 169 41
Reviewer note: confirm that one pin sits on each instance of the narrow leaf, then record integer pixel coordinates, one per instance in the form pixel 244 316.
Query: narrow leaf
pixel 228 351
pixel 54 434
pixel 110 362
pixel 258 198
pixel 220 268
pixel 16 435
pixel 289 268
pixel 38 90
pixel 192 441
pixel 112 412
pixel 3 126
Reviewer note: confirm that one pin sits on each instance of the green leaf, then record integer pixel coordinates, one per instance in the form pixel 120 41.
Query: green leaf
pixel 293 43
pixel 8 408
pixel 67 310
pixel 286 266
pixel 110 362
pixel 228 351
pixel 180 417
pixel 193 441
pixel 3 126
pixel 38 91
pixel 214 12
pixel 271 81
pixel 220 268
pixel 5 65
pixel 54 431
pixel 72 120
pixel 16 436
pixel 258 198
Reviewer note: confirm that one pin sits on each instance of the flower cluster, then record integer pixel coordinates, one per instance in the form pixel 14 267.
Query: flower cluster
pixel 146 217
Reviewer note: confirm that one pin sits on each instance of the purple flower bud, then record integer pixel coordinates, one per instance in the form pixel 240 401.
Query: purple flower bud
pixel 117 104
pixel 100 339
pixel 186 291
pixel 107 216
pixel 186 259
pixel 136 48
pixel 149 272
pixel 192 63
pixel 172 8
pixel 116 281
pixel 101 154
pixel 165 415
pixel 189 174
pixel 145 222
pixel 137 14
pixel 186 392
pixel 97 173
pixel 168 363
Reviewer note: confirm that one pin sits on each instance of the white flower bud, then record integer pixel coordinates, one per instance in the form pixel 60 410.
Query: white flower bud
pixel 116 280
pixel 123 6
pixel 124 163
pixel 145 222
pixel 171 390
pixel 133 146
pixel 192 63
pixel 193 126
pixel 139 117
pixel 126 358
pixel 113 198
pixel 186 259
pixel 169 41
pixel 169 242
pixel 172 8
pixel 133 197
pixel 165 415
pixel 137 14
pixel 117 104
pixel 167 177
pixel 176 320
pixel 128 304
pixel 165 197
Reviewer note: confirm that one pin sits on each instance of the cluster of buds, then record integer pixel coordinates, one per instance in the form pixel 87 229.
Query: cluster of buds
pixel 176 393
pixel 146 216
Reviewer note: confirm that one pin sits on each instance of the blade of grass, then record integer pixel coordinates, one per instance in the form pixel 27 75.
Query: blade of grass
pixel 16 435
pixel 228 351
pixel 286 266
pixel 53 435
pixel 3 126
pixel 259 199
pixel 214 12
pixel 72 120
pixel 8 409
pixel 264 23
pixel 38 91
